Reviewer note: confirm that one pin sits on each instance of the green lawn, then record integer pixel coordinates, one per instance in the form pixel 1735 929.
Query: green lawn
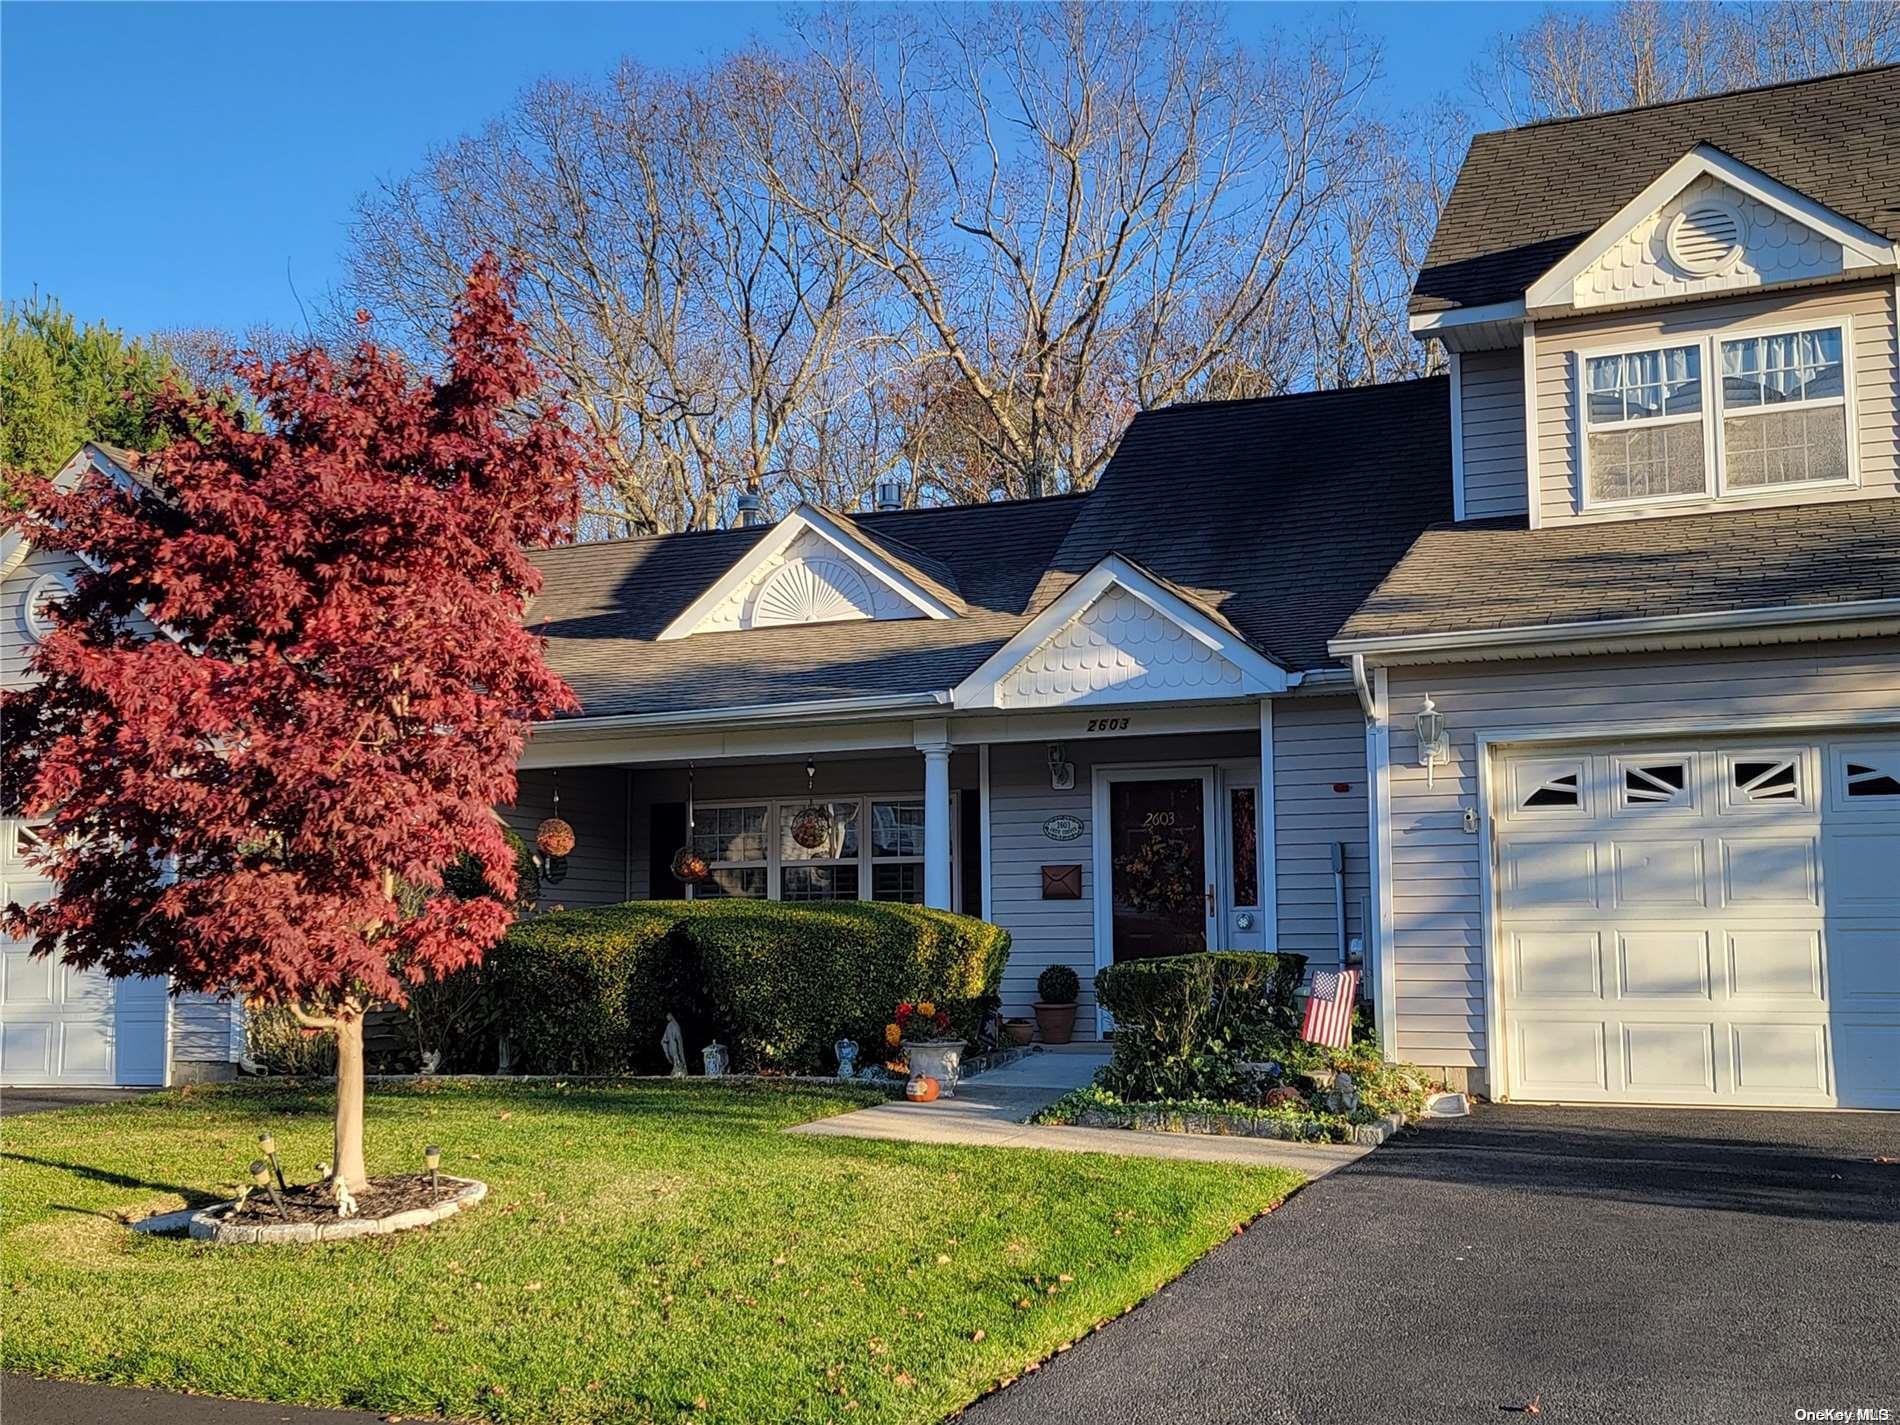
pixel 647 1252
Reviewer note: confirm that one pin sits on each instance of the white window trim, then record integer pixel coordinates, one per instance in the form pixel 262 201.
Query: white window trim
pixel 1715 484
pixel 1581 381
pixel 774 862
pixel 1845 326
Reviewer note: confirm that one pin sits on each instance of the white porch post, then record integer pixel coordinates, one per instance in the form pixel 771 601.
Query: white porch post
pixel 933 740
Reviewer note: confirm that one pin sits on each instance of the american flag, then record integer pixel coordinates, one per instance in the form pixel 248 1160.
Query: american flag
pixel 1329 1008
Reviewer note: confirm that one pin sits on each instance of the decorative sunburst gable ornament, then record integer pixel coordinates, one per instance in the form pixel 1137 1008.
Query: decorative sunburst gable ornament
pixel 811 824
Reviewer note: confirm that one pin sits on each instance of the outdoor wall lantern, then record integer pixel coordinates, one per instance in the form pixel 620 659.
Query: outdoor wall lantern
pixel 1434 739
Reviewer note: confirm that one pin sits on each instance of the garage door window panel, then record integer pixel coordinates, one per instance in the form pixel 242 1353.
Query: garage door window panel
pixel 1770 782
pixel 1544 790
pixel 1661 784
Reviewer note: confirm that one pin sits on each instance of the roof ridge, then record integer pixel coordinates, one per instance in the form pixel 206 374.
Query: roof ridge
pixel 1557 120
pixel 1292 396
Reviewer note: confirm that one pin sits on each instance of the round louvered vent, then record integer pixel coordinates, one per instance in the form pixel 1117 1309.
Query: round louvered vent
pixel 1705 237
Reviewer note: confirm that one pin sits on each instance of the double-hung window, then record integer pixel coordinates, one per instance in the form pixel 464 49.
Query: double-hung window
pixel 872 849
pixel 1775 414
pixel 1784 409
pixel 1642 414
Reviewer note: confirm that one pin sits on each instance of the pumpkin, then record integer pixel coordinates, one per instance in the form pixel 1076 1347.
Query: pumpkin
pixel 922 1089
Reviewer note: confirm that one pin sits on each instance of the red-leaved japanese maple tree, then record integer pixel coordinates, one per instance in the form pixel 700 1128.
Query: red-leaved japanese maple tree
pixel 299 678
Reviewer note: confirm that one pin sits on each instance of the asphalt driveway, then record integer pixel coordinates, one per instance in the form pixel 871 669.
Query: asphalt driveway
pixel 42 1100
pixel 1615 1266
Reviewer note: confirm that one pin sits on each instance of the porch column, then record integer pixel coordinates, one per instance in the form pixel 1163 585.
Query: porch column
pixel 933 740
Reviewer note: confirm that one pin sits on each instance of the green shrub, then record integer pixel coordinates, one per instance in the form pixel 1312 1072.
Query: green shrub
pixel 274 1039
pixel 1185 1023
pixel 589 990
pixel 464 879
pixel 1058 985
pixel 561 983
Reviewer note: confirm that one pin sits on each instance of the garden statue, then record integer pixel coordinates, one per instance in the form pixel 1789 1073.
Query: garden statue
pixel 847 1052
pixel 714 1055
pixel 431 1062
pixel 673 1045
pixel 345 1199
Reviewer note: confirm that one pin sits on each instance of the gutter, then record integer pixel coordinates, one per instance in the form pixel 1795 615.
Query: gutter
pixel 1533 636
pixel 700 719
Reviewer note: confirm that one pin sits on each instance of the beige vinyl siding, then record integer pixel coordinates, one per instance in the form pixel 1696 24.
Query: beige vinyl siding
pixel 594 803
pixel 1318 744
pixel 1044 933
pixel 206 1028
pixel 1491 389
pixel 1041 933
pixel 1437 911
pixel 1876 399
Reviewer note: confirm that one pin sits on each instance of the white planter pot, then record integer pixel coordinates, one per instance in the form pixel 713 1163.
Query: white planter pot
pixel 942 1059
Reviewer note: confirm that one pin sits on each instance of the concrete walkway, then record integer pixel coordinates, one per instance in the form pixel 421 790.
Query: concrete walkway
pixel 989 1110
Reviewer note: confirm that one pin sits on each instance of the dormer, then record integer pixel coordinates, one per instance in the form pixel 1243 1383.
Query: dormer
pixel 1680 308
pixel 817 566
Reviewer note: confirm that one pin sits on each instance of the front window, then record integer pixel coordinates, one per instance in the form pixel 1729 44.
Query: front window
pixel 1776 416
pixel 732 842
pixel 1784 409
pixel 1643 424
pixel 823 865
pixel 795 850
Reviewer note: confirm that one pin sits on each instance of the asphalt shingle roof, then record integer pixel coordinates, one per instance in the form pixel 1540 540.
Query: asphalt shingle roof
pixel 1497 574
pixel 1277 515
pixel 1280 514
pixel 602 607
pixel 1525 197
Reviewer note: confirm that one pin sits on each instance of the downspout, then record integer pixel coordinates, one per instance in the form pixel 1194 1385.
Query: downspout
pixel 1367 702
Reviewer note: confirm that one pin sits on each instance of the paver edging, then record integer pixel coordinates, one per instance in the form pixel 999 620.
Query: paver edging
pixel 208 1224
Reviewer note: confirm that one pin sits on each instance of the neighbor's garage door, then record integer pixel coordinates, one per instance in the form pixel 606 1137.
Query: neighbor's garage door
pixel 65 1026
pixel 1713 924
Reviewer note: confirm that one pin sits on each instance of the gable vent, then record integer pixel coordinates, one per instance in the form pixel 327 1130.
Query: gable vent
pixel 1705 237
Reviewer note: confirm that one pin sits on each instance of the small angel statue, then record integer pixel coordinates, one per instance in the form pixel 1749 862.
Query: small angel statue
pixel 673 1044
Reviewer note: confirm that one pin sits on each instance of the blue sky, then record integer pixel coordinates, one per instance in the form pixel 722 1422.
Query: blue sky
pixel 184 165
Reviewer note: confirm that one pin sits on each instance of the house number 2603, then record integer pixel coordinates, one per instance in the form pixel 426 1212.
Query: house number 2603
pixel 1108 724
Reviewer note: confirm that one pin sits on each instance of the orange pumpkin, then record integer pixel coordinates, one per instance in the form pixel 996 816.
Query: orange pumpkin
pixel 922 1089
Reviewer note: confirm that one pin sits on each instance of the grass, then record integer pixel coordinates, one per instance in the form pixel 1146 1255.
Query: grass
pixel 648 1252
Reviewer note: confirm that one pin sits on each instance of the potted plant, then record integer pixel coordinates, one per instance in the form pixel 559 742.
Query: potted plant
pixel 1056 989
pixel 924 1031
pixel 1020 1031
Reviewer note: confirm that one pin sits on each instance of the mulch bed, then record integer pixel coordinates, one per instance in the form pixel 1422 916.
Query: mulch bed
pixel 316 1202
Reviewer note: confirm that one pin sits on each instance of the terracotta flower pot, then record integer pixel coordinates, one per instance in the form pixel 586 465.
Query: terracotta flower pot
pixel 1056 1021
pixel 1020 1031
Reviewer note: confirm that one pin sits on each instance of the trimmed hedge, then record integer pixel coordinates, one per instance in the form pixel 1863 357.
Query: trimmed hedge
pixel 1183 1023
pixel 588 991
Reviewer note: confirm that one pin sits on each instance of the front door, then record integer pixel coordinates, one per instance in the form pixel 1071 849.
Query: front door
pixel 1155 869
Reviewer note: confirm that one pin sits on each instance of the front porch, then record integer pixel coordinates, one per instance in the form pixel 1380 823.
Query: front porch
pixel 1088 835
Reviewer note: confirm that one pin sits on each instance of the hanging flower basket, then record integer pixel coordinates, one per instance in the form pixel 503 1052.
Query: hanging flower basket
pixel 554 836
pixel 690 867
pixel 811 827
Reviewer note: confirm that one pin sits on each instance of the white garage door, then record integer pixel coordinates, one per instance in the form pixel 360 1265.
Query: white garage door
pixel 1704 924
pixel 65 1026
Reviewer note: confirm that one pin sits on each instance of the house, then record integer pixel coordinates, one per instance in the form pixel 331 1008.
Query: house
pixel 59 1025
pixel 1561 691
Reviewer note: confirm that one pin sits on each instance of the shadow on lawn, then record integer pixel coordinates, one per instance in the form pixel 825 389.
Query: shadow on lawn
pixel 193 1197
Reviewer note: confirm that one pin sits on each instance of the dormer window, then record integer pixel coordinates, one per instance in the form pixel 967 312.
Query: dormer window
pixel 1784 409
pixel 1779 416
pixel 1643 419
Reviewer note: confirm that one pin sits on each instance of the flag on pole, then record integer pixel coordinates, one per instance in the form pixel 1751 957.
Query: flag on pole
pixel 1329 1006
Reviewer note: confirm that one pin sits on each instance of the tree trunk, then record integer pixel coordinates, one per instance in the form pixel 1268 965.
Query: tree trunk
pixel 349 1101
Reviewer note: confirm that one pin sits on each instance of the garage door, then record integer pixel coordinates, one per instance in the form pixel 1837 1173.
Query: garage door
pixel 1701 924
pixel 64 1026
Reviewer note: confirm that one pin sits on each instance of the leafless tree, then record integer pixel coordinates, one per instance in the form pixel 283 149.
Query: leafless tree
pixel 1572 62
pixel 699 323
pixel 1086 206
